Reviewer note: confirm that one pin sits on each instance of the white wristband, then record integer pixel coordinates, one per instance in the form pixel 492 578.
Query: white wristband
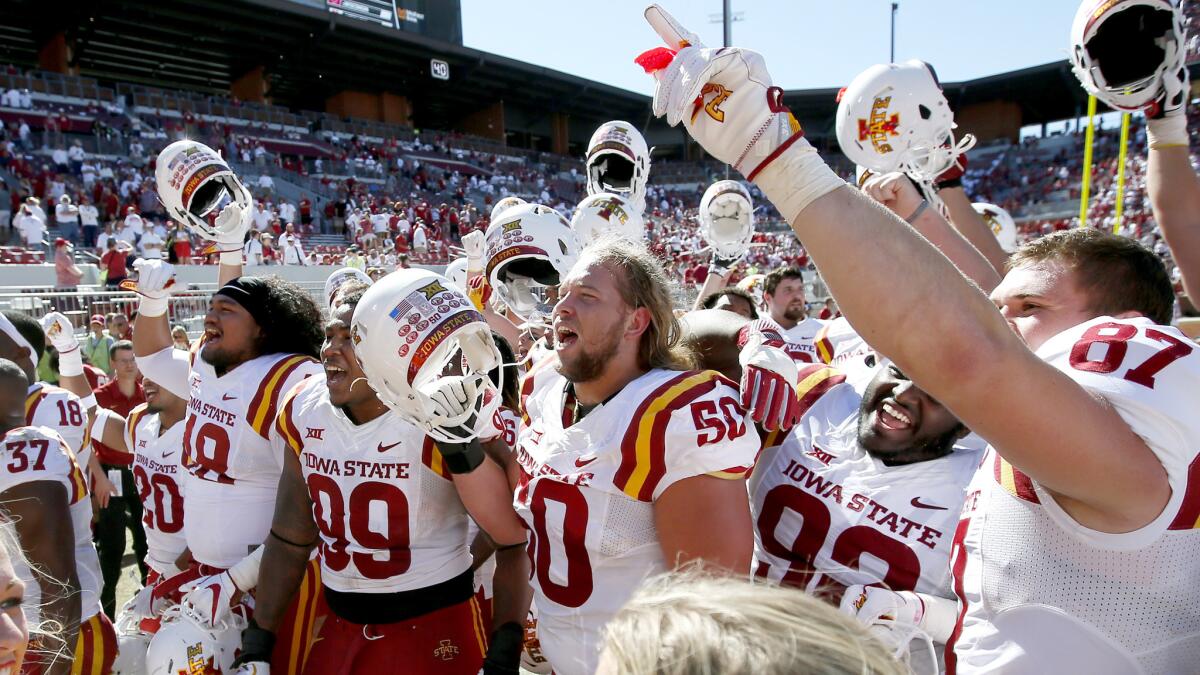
pixel 96 431
pixel 88 402
pixel 232 258
pixel 148 306
pixel 797 178
pixel 245 572
pixel 1167 132
pixel 70 363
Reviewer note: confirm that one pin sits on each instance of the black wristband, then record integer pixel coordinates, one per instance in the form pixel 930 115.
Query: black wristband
pixel 462 457
pixel 952 183
pixel 504 650
pixel 257 644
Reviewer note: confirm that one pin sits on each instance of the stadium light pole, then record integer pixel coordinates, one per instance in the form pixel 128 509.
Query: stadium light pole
pixel 895 8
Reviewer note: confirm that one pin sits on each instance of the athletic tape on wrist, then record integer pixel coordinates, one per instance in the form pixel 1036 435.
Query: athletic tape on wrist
pixel 70 363
pixel 231 257
pixel 796 178
pixel 148 306
pixel 1167 132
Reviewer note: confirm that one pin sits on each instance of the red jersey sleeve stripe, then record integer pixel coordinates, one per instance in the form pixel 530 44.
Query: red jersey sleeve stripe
pixel 263 406
pixel 431 457
pixel 814 382
pixel 1188 517
pixel 643 450
pixel 31 404
pixel 1014 481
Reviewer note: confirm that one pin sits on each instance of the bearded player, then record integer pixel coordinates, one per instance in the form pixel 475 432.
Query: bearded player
pixel 386 506
pixel 1077 327
pixel 631 461
pixel 261 337
pixel 44 495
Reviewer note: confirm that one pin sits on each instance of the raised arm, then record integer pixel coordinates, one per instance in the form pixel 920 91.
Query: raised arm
pixel 286 552
pixel 943 332
pixel 1175 199
pixel 973 227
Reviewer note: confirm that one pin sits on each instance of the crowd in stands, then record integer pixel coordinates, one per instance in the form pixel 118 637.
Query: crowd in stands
pixel 409 197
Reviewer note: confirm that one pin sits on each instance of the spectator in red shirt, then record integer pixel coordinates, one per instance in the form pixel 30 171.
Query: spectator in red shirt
pixel 830 311
pixel 120 395
pixel 124 391
pixel 114 261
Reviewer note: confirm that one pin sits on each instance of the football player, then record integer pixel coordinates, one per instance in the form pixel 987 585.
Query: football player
pixel 783 293
pixel 1093 446
pixel 261 338
pixel 23 341
pixel 386 506
pixel 44 495
pixel 153 434
pixel 631 463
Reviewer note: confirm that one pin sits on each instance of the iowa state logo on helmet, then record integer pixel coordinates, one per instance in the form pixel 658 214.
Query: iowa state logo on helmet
pixel 881 126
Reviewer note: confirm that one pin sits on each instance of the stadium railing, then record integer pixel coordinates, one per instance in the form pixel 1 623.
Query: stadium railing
pixel 187 306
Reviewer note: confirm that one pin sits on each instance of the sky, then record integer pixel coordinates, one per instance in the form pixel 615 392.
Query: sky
pixel 807 43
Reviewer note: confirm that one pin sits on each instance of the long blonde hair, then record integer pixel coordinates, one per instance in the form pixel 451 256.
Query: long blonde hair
pixel 643 282
pixel 694 623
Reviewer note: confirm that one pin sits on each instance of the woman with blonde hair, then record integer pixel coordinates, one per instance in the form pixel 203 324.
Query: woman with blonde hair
pixel 691 623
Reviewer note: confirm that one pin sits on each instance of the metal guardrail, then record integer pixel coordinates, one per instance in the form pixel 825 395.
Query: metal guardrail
pixel 186 307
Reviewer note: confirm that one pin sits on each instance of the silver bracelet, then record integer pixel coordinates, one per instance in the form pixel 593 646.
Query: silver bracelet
pixel 917 214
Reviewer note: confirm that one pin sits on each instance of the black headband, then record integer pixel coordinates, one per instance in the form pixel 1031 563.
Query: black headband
pixel 249 292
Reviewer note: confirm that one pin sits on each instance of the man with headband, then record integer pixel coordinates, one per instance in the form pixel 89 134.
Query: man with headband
pixel 261 337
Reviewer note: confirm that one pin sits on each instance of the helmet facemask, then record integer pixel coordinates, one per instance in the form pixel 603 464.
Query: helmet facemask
pixel 529 288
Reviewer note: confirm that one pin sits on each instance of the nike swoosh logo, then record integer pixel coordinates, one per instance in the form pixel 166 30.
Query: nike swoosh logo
pixel 167 454
pixel 916 501
pixel 580 462
pixel 227 397
pixel 385 448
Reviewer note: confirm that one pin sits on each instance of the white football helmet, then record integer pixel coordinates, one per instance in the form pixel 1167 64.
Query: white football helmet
pixel 185 645
pixel 456 272
pixel 606 214
pixel 618 162
pixel 132 643
pixel 192 181
pixel 407 329
pixel 727 218
pixel 339 278
pixel 1120 49
pixel 894 117
pixel 529 248
pixel 754 284
pixel 506 203
pixel 1002 224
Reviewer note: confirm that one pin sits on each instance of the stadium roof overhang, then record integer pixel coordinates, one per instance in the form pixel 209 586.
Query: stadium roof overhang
pixel 307 55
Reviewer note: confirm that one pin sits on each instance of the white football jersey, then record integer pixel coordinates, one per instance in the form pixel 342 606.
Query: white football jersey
pixel 232 472
pixel 386 509
pixel 33 454
pixel 56 408
pixel 539 376
pixel 827 513
pixel 801 339
pixel 1036 589
pixel 158 473
pixel 587 493
pixel 839 345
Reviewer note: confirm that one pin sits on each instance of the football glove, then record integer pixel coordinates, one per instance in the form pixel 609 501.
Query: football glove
pixel 154 282
pixel 1167 119
pixel 61 335
pixel 768 386
pixel 725 99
